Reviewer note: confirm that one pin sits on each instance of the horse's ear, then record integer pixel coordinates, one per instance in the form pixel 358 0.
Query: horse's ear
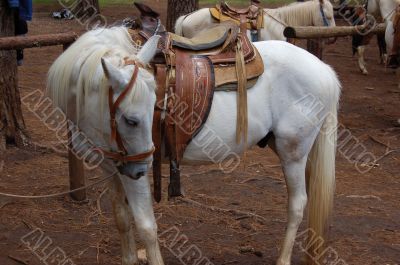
pixel 148 50
pixel 112 73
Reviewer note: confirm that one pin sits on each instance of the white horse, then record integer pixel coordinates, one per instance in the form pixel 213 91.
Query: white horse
pixel 388 9
pixel 294 102
pixel 379 9
pixel 310 13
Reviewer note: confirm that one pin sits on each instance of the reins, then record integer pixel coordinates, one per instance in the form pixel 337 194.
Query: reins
pixel 274 18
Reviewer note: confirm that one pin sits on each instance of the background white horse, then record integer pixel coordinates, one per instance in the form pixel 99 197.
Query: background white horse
pixel 388 9
pixel 379 9
pixel 293 109
pixel 310 13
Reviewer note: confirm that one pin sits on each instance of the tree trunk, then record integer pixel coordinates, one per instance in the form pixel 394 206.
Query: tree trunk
pixel 95 3
pixel 177 8
pixel 12 125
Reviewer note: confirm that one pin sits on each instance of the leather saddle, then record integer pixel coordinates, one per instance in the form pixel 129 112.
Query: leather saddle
pixel 252 16
pixel 218 44
pixel 187 72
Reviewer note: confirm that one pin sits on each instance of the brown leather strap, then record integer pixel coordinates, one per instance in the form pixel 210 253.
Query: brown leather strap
pixel 114 106
pixel 128 158
pixel 158 129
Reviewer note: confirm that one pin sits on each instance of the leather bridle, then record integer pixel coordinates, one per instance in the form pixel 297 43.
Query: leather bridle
pixel 122 154
pixel 321 10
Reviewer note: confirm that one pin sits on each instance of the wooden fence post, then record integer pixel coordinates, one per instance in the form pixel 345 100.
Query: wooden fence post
pixel 75 167
pixel 315 46
pixel 76 175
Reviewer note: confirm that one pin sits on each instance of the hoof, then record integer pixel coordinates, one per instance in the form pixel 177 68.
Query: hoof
pixel 129 261
pixel 364 72
pixel 142 257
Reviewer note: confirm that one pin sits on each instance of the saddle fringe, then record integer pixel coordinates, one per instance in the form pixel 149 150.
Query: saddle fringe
pixel 242 121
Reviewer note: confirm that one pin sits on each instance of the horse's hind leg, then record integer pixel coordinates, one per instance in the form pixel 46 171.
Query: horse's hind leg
pixel 122 216
pixel 382 48
pixel 293 152
pixel 361 61
pixel 140 199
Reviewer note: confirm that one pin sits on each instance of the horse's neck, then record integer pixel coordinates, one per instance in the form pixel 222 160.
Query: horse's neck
pixel 296 15
pixel 386 8
pixel 273 26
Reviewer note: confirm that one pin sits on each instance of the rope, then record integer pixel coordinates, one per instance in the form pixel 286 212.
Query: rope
pixel 391 13
pixel 57 194
pixel 158 26
pixel 274 18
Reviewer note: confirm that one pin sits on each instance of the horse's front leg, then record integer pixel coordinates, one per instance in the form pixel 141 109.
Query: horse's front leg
pixel 122 216
pixel 140 199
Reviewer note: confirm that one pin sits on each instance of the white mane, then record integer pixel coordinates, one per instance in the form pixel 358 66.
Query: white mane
pixel 78 71
pixel 299 14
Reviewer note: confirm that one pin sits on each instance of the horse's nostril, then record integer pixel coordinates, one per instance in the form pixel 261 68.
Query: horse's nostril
pixel 140 174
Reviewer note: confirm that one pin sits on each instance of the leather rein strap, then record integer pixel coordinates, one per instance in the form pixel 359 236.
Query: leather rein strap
pixel 122 155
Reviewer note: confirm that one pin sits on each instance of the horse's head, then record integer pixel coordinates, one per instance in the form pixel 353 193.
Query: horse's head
pixel 102 85
pixel 324 15
pixel 131 104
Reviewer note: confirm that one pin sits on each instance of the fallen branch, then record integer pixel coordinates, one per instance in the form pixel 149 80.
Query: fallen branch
pixel 364 197
pixel 222 210
pixel 20 261
pixel 56 147
pixel 379 141
pixel 98 202
pixel 386 154
pixel 248 180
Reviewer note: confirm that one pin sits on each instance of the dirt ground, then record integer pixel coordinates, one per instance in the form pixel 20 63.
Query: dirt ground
pixel 366 221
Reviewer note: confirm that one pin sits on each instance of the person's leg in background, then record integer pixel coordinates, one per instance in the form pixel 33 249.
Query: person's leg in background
pixel 23 13
pixel 21 28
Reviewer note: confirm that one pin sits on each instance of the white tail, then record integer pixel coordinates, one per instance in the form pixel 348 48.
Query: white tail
pixel 321 170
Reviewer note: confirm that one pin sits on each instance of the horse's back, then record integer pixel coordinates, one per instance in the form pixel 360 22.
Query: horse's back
pixel 283 60
pixel 294 74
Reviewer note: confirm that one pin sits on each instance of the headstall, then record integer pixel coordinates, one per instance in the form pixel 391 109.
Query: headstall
pixel 122 154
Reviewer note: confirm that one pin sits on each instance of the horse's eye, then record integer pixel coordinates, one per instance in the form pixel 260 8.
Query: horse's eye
pixel 134 122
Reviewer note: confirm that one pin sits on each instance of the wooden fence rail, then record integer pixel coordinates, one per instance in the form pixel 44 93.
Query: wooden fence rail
pixel 23 42
pixel 329 32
